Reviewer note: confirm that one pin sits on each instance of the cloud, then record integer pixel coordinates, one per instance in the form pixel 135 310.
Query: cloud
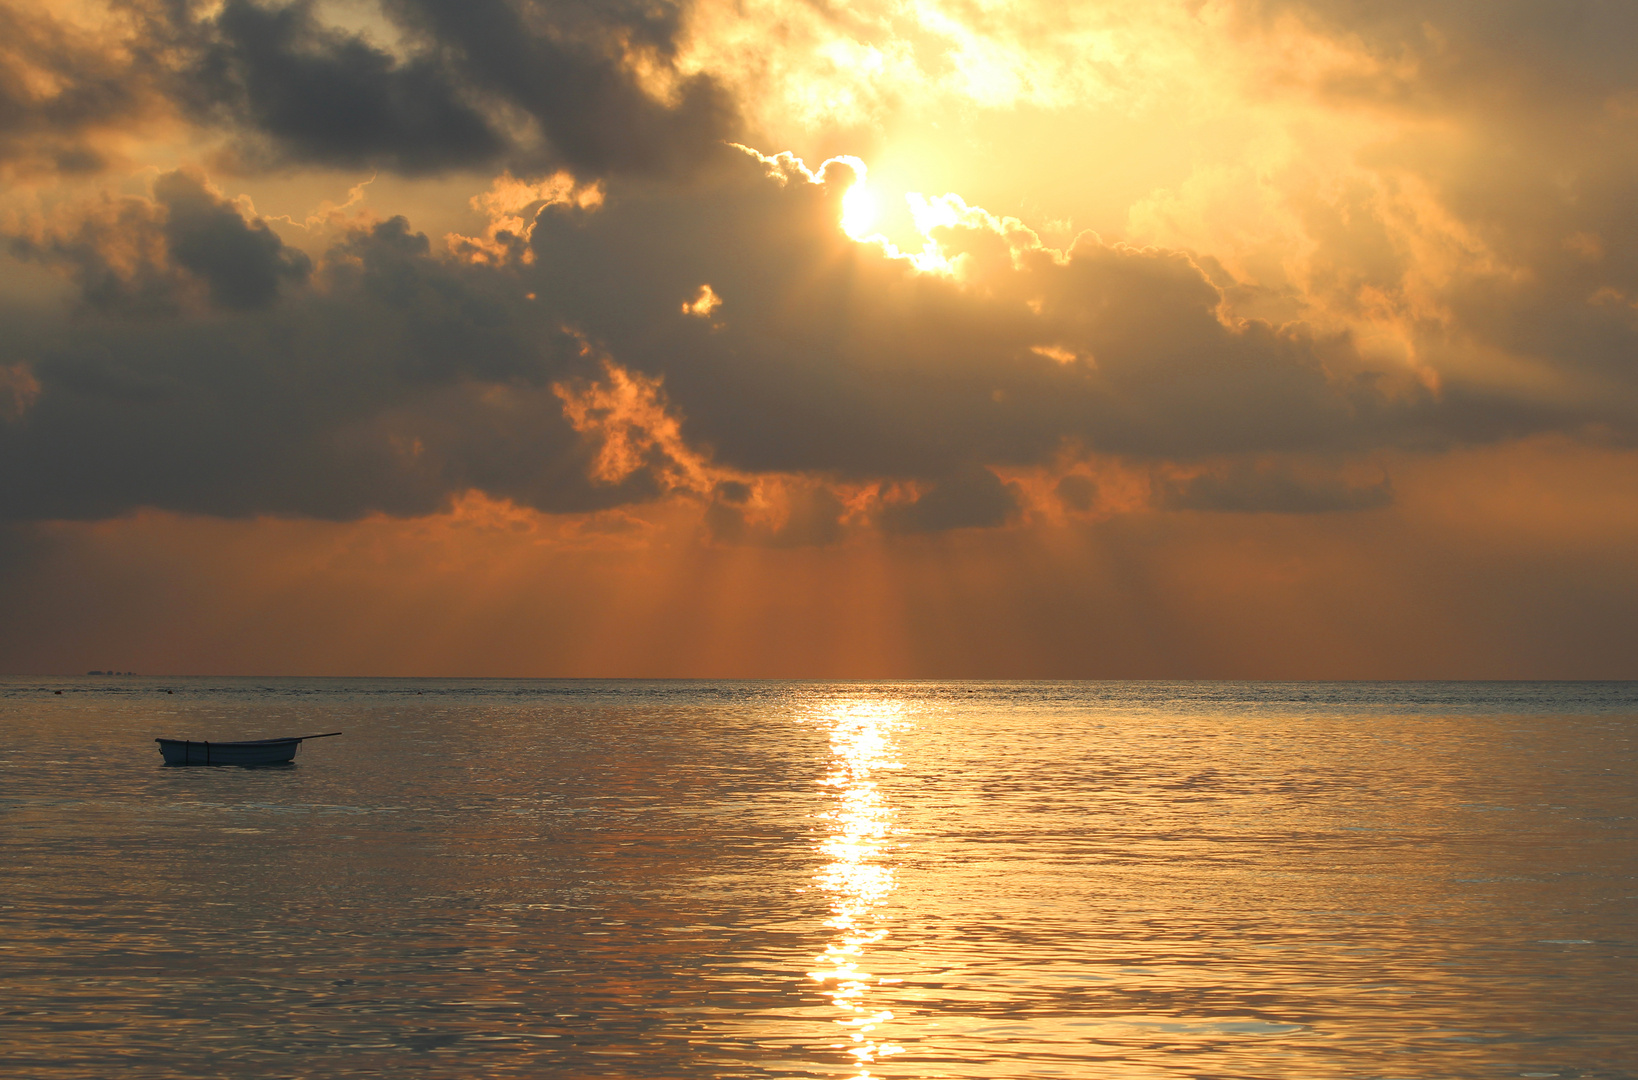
pixel 1502 562
pixel 138 255
pixel 567 372
pixel 63 90
pixel 837 356
pixel 320 95
pixel 780 512
pixel 394 383
pixel 18 391
pixel 1077 492
pixel 571 67
pixel 411 86
pixel 468 85
pixel 974 498
pixel 1248 488
pixel 1464 53
pixel 242 263
pixel 813 518
pixel 1445 181
pixel 1329 234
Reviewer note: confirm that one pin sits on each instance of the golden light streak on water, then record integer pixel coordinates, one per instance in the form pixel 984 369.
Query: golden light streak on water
pixel 630 881
pixel 860 874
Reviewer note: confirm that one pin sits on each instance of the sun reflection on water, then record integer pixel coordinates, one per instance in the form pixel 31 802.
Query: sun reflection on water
pixel 860 874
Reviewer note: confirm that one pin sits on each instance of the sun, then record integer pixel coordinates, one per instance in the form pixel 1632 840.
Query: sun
pixel 859 210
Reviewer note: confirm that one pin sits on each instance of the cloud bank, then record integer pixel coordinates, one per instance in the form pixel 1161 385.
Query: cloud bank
pixel 615 268
pixel 212 368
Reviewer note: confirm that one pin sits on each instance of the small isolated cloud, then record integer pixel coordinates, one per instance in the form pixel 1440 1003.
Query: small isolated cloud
pixel 705 302
pixel 1245 488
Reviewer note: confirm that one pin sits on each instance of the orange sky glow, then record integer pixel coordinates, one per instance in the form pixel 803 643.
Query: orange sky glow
pixel 1223 339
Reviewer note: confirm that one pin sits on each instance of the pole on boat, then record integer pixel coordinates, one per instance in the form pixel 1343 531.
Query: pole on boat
pixel 326 735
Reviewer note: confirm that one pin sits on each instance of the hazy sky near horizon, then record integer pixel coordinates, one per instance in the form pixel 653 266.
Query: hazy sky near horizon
pixel 1208 338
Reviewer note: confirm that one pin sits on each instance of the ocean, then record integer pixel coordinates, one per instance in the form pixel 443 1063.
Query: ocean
pixel 495 878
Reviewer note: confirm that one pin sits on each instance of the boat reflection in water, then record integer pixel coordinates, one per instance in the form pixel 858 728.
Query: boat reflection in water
pixel 859 875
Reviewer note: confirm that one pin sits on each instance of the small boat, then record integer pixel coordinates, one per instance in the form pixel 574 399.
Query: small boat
pixel 244 752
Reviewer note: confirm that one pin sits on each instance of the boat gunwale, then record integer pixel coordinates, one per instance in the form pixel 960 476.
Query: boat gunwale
pixel 237 742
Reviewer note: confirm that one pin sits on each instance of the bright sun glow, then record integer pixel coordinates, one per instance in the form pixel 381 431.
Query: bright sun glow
pixel 862 213
pixel 859 211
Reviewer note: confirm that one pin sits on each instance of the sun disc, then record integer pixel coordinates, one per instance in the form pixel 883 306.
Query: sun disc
pixel 859 211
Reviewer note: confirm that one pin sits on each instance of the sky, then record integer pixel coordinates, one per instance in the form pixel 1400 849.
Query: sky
pixel 783 338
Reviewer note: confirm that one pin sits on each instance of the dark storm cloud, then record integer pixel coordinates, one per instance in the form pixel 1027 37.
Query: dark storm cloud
pixel 148 256
pixel 469 85
pixel 826 356
pixel 391 377
pixel 320 95
pixel 484 82
pixel 242 263
pixel 400 381
pixel 560 62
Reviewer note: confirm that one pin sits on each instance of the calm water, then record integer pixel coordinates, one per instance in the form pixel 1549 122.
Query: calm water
pixel 911 880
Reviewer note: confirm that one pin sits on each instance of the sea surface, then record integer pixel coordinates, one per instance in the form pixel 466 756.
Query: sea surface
pixel 908 880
